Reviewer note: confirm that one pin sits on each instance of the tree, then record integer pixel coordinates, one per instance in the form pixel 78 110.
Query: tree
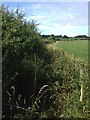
pixel 65 36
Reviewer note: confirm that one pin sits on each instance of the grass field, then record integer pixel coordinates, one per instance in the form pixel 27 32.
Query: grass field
pixel 78 48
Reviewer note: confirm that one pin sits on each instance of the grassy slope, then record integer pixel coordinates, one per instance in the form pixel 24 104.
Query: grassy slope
pixel 77 48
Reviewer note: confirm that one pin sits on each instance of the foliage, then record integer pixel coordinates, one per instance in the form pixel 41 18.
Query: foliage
pixel 39 81
pixel 25 58
pixel 68 86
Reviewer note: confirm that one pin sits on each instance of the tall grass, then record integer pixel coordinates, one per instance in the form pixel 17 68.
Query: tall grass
pixel 61 97
pixel 74 73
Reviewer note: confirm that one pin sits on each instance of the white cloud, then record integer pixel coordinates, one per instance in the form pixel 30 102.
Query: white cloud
pixel 34 18
pixel 37 17
pixel 64 30
pixel 44 27
pixel 70 16
pixel 36 6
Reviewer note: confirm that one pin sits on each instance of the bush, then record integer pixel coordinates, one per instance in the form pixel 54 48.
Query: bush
pixel 25 59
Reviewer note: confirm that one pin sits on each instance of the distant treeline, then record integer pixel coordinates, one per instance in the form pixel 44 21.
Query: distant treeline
pixel 58 37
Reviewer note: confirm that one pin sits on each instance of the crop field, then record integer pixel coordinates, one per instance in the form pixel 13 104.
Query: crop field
pixel 78 48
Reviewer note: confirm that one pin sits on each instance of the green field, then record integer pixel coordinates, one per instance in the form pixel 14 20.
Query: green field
pixel 78 48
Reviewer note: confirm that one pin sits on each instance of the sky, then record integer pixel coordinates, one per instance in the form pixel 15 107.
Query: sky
pixel 58 18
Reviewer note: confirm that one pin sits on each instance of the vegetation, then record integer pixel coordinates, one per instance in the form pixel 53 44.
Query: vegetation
pixel 25 59
pixel 77 48
pixel 39 81
pixel 64 38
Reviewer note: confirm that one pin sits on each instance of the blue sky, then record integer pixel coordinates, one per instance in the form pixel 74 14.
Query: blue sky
pixel 58 18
